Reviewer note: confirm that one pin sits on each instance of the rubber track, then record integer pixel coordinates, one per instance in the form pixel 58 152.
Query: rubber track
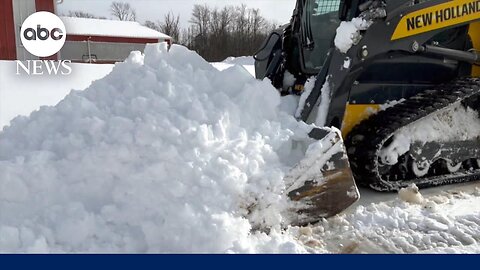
pixel 366 140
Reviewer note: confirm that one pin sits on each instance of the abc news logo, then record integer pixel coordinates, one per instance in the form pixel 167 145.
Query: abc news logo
pixel 43 34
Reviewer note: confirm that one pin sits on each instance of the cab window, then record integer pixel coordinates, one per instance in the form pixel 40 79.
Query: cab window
pixel 319 24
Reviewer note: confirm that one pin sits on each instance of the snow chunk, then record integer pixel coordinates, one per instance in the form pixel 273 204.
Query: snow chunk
pixel 348 33
pixel 411 194
pixel 288 80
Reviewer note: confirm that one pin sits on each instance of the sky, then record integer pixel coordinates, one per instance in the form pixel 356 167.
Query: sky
pixel 278 11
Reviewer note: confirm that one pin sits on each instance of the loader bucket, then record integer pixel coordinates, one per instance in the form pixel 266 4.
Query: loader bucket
pixel 321 185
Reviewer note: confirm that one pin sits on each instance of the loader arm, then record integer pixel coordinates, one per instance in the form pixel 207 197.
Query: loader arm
pixel 404 30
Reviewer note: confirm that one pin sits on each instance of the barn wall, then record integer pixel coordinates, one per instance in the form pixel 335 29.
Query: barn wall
pixel 21 10
pixel 7 31
pixel 45 5
pixel 102 52
pixel 111 39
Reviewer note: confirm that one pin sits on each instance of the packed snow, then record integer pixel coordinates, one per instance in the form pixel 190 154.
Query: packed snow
pixel 348 33
pixel 168 154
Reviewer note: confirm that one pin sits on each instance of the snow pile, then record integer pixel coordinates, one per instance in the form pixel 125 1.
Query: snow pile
pixel 445 223
pixel 453 123
pixel 348 33
pixel 165 154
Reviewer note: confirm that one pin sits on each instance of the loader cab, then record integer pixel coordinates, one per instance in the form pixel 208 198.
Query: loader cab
pixel 319 21
pixel 304 42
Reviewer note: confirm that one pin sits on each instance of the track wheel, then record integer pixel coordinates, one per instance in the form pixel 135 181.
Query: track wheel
pixel 452 167
pixel 420 168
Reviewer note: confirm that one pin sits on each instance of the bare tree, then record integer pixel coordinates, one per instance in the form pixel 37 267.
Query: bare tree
pixel 186 38
pixel 152 25
pixel 80 14
pixel 123 11
pixel 200 21
pixel 170 26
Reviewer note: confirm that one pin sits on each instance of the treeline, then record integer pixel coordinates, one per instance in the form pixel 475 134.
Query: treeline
pixel 218 33
pixel 212 32
pixel 231 31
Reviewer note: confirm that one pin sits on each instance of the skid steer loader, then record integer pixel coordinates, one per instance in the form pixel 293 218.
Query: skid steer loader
pixel 399 78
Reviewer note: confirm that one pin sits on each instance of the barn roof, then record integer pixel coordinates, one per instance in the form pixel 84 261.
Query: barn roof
pixel 109 28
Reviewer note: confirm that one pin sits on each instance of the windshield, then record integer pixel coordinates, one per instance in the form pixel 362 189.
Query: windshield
pixel 319 24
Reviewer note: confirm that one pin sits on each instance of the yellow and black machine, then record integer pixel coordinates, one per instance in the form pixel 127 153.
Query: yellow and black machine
pixel 422 54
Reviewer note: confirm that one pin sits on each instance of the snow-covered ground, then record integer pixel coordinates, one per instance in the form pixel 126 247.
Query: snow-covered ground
pixel 22 94
pixel 168 154
pixel 447 221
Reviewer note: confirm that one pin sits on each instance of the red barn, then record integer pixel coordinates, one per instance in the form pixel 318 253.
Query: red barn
pixel 88 40
pixel 106 41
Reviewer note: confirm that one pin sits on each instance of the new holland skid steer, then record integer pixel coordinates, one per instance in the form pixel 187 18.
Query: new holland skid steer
pixel 405 94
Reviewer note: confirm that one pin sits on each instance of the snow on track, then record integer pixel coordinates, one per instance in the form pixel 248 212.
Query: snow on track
pixel 456 122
